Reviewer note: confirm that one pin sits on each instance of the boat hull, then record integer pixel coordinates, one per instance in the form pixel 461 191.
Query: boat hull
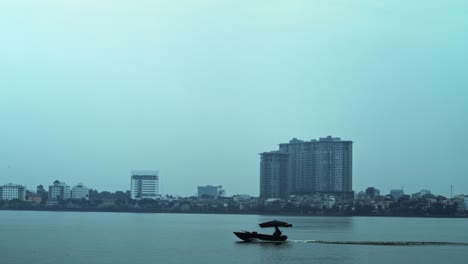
pixel 251 237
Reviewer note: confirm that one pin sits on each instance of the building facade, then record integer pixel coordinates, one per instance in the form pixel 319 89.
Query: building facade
pixel 79 192
pixel 59 191
pixel 273 174
pixel 12 191
pixel 144 185
pixel 316 166
pixel 210 190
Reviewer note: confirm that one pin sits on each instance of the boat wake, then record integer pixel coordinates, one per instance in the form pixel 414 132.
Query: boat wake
pixel 383 243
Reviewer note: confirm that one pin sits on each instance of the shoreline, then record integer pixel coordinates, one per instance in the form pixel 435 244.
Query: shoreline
pixel 227 213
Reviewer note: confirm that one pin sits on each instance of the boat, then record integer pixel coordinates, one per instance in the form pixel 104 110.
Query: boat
pixel 254 236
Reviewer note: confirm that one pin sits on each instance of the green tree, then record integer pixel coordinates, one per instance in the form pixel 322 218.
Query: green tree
pixel 43 193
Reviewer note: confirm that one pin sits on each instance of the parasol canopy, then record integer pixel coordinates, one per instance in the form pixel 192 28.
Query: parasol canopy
pixel 275 223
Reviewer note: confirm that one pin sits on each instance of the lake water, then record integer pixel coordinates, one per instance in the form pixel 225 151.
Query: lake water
pixel 69 237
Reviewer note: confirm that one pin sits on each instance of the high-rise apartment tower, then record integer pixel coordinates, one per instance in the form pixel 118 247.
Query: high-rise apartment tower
pixel 307 167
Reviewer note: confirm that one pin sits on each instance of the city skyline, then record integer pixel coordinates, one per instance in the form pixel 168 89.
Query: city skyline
pixel 92 89
pixel 385 189
pixel 382 190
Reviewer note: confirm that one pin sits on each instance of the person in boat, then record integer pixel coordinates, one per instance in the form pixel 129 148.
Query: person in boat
pixel 277 232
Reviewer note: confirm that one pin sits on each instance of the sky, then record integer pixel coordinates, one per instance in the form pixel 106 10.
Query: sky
pixel 90 90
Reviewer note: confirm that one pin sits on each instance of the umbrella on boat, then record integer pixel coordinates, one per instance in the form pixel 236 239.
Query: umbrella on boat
pixel 275 223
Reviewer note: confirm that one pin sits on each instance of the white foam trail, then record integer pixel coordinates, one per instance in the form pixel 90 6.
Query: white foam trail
pixel 301 241
pixel 383 243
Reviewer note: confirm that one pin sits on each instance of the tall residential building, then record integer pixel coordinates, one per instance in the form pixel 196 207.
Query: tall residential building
pixel 12 191
pixel 59 191
pixel 316 166
pixel 144 184
pixel 273 174
pixel 80 191
pixel 209 190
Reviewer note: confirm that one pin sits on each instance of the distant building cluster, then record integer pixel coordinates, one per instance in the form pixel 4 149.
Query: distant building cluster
pixel 61 191
pixel 301 177
pixel 308 167
pixel 368 202
pixel 419 203
pixel 57 191
pixel 144 185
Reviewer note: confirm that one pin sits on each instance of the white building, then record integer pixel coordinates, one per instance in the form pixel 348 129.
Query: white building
pixel 80 191
pixel 144 185
pixel 209 190
pixel 59 191
pixel 12 191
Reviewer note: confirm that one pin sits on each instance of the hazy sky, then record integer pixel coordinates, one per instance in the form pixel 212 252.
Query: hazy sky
pixel 90 90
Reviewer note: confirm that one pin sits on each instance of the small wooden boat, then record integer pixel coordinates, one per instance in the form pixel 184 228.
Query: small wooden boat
pixel 254 236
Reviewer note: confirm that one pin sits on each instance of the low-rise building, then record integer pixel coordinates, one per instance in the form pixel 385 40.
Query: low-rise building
pixel 59 191
pixel 241 197
pixel 329 201
pixel 12 191
pixel 210 190
pixel 420 194
pixel 79 192
pixel 396 194
pixel 459 200
pixel 34 198
pixel 360 196
pixel 372 192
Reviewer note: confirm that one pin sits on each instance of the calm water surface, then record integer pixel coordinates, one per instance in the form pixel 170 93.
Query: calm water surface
pixel 66 237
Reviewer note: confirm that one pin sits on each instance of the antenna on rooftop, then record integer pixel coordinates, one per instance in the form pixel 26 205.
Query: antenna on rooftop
pixel 451 191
